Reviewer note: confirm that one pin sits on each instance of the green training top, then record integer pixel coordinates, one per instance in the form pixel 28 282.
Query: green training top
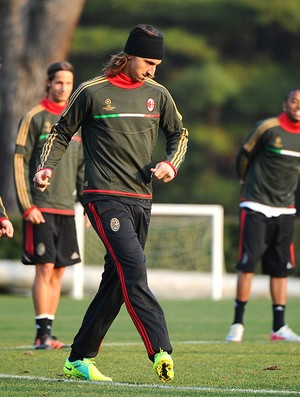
pixel 269 162
pixel 66 185
pixel 120 120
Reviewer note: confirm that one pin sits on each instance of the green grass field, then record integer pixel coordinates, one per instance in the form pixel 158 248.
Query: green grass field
pixel 205 365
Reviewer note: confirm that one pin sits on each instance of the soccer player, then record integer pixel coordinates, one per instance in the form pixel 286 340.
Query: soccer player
pixel 268 166
pixel 6 227
pixel 120 114
pixel 49 235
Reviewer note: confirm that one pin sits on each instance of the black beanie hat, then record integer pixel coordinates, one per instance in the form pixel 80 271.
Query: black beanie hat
pixel 144 45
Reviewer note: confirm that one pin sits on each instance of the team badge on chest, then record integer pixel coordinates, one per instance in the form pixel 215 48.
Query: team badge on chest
pixel 150 104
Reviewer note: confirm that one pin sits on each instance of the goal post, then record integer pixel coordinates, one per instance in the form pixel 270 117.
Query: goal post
pixel 78 269
pixel 181 237
pixel 216 212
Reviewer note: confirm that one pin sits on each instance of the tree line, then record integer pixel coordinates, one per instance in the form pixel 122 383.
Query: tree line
pixel 228 63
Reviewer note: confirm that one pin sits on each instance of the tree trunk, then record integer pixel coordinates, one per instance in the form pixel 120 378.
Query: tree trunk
pixel 33 34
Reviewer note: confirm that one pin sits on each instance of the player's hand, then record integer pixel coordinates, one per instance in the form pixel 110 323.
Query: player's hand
pixel 41 179
pixel 163 171
pixel 35 216
pixel 6 228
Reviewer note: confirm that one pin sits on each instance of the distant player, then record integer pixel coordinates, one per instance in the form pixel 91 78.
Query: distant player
pixel 49 235
pixel 268 165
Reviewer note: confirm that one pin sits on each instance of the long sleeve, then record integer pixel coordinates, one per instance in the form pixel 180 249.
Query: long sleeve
pixel 268 164
pixel 119 130
pixel 25 144
pixel 59 198
pixel 3 214
pixel 252 145
pixel 63 131
pixel 176 135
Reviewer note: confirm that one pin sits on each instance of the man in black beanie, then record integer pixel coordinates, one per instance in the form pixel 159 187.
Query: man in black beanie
pixel 121 113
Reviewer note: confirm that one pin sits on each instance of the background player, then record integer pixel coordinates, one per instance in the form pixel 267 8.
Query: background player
pixel 268 166
pixel 49 235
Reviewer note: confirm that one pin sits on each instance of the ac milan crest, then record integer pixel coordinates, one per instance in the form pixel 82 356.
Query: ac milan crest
pixel 150 104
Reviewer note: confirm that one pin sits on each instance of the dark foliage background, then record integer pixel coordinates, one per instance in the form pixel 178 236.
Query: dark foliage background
pixel 228 63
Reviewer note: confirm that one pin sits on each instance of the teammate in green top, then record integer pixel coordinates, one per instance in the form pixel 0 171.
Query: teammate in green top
pixel 6 227
pixel 268 166
pixel 49 235
pixel 121 113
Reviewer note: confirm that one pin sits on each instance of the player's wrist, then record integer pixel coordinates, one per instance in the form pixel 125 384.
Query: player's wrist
pixel 27 212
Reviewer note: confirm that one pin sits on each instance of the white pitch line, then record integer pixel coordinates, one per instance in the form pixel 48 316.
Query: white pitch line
pixel 158 386
pixel 187 342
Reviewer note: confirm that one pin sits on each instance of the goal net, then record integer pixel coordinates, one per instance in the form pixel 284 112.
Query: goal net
pixel 182 237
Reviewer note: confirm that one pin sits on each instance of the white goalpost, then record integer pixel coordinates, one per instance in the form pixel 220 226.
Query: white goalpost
pixel 181 237
pixel 216 212
pixel 78 269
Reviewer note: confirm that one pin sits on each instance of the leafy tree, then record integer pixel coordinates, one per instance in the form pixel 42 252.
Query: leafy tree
pixel 228 63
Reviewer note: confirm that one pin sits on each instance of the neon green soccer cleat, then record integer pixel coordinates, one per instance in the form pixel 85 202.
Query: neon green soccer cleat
pixel 84 369
pixel 163 366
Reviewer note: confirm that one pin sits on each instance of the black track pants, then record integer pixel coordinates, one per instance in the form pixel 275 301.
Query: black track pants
pixel 123 230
